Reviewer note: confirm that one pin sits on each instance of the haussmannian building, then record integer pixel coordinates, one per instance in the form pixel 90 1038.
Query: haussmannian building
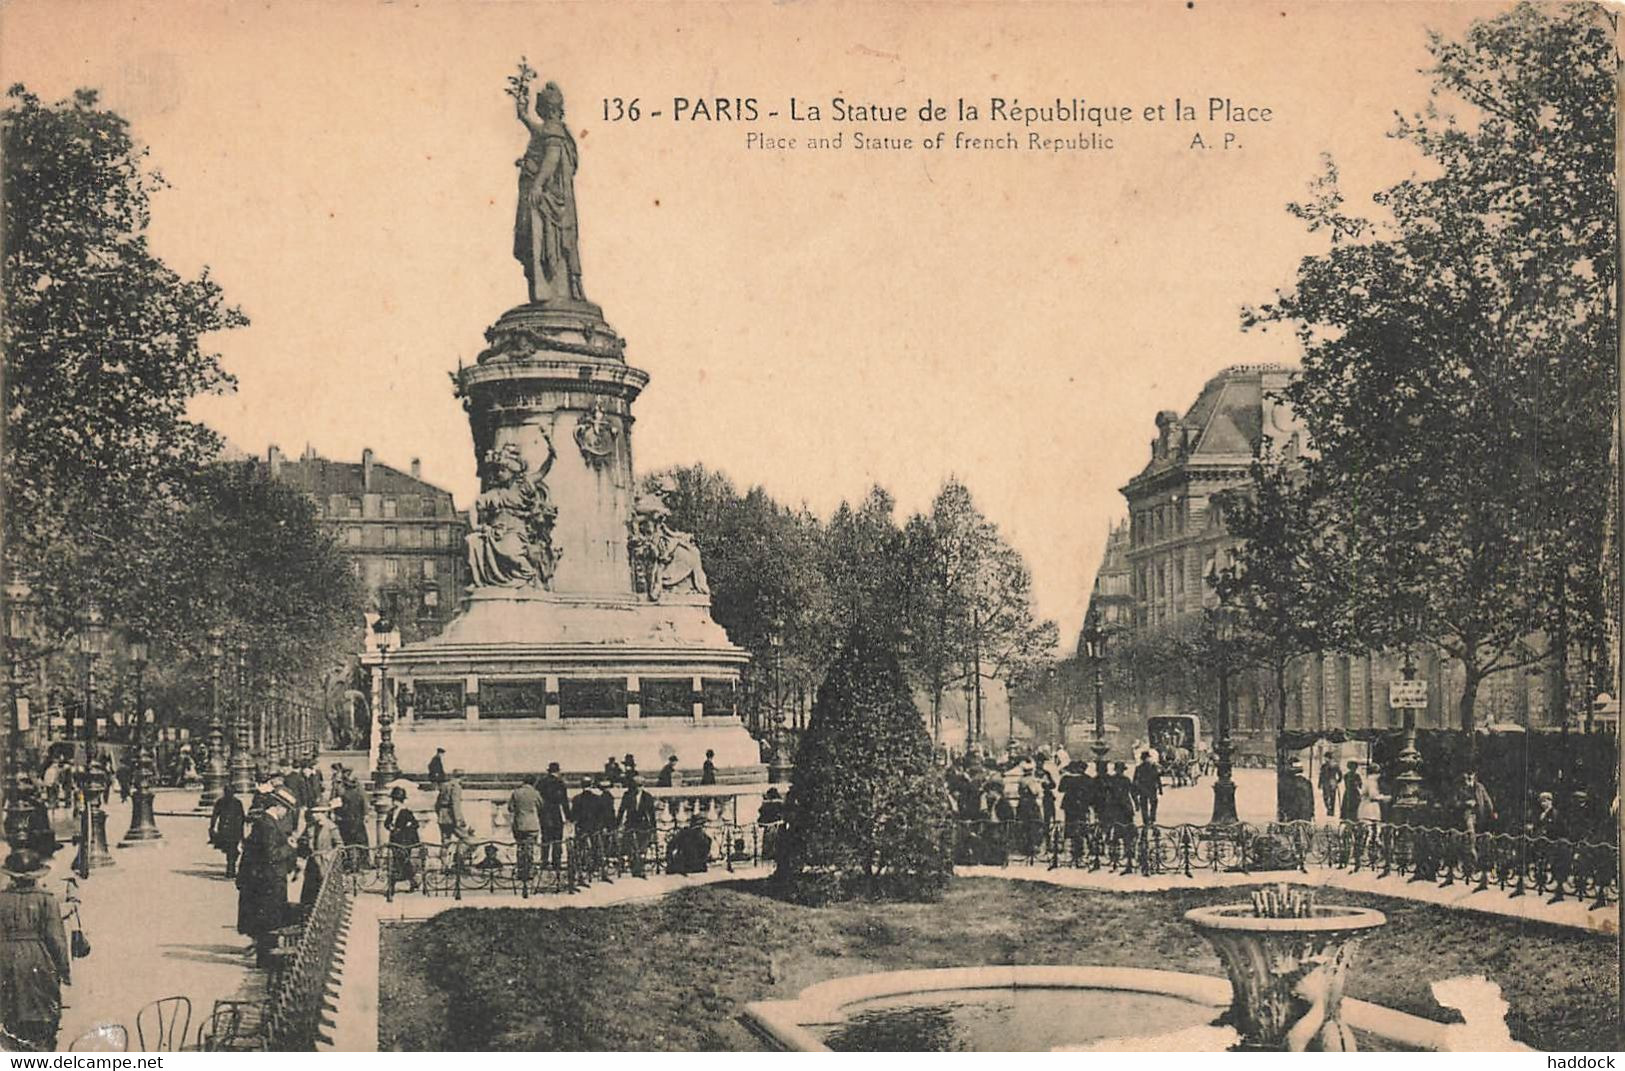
pixel 1176 539
pixel 403 536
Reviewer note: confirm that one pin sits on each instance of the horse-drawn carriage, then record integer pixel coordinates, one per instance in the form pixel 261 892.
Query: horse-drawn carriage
pixel 1178 740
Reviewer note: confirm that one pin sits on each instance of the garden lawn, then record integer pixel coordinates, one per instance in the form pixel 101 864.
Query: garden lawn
pixel 674 973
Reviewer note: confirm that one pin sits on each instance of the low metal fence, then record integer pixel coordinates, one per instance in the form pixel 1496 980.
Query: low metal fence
pixel 536 867
pixel 298 988
pixel 1517 864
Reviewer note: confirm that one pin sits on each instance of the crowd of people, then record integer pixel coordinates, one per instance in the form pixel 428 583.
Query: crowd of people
pixel 283 837
pixel 602 834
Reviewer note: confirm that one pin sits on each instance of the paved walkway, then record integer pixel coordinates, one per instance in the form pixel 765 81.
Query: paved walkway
pixel 161 922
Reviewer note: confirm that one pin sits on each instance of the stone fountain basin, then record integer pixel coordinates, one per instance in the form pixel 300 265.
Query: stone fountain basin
pixel 1323 919
pixel 799 1024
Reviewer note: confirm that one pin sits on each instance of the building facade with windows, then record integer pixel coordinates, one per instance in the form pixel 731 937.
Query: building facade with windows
pixel 1177 539
pixel 404 537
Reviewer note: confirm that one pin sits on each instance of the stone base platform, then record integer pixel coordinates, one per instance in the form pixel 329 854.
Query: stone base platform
pixel 501 751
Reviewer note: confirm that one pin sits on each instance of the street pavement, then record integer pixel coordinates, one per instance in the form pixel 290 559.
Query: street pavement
pixel 1255 799
pixel 161 921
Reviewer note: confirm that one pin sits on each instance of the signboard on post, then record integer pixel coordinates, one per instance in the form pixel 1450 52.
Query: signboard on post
pixel 1408 695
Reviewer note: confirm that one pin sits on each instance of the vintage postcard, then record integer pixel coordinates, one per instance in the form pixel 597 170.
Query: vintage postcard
pixel 814 526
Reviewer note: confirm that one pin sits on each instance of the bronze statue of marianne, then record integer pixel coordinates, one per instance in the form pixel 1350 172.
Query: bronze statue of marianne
pixel 544 229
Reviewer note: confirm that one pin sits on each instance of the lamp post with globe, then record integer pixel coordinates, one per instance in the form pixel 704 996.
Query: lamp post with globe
pixel 1222 625
pixel 143 826
pixel 1094 644
pixel 92 819
pixel 19 630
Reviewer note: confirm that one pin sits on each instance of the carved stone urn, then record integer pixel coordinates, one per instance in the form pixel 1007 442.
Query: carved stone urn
pixel 1287 958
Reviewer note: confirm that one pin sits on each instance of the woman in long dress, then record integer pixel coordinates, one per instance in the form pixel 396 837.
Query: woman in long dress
pixel 34 960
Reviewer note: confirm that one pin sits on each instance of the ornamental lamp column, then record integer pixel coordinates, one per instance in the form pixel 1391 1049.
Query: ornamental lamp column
pixel 778 769
pixel 1094 642
pixel 1224 789
pixel 92 819
pixel 388 769
pixel 215 776
pixel 242 769
pixel 1409 804
pixel 143 825
pixel 19 628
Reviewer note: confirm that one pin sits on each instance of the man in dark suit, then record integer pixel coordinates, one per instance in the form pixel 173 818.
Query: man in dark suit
pixel 437 766
pixel 555 812
pixel 1078 801
pixel 1297 795
pixel 637 818
pixel 587 848
pixel 668 774
pixel 352 813
pixel 629 770
pixel 690 849
pixel 293 779
pixel 1118 812
pixel 226 829
pixel 1147 788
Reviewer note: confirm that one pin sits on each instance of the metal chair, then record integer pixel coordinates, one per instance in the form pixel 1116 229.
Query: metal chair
pixel 233 1026
pixel 108 1037
pixel 168 1021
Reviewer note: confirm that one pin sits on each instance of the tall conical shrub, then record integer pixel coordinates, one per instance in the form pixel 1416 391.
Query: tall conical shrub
pixel 868 811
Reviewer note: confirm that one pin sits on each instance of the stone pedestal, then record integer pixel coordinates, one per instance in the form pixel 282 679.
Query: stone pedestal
pixel 1287 974
pixel 605 651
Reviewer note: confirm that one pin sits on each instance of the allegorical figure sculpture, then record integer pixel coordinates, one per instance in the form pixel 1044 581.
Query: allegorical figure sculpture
pixel 595 435
pixel 544 230
pixel 512 545
pixel 666 560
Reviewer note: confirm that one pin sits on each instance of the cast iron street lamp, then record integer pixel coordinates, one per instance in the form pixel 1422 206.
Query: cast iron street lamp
pixel 778 767
pixel 388 767
pixel 1408 802
pixel 242 770
pixel 92 819
pixel 1094 644
pixel 19 628
pixel 143 827
pixel 215 776
pixel 1224 789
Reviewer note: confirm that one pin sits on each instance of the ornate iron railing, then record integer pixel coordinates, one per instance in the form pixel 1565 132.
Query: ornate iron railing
pixel 530 868
pixel 1517 864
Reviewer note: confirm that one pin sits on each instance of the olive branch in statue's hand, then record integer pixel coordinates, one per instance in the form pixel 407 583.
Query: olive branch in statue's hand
pixel 519 84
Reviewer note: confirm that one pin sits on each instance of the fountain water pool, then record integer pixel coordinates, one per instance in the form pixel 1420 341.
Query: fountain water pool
pixel 1027 1008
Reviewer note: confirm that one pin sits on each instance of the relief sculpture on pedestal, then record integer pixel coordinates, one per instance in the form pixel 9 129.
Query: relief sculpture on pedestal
pixel 512 544
pixel 664 560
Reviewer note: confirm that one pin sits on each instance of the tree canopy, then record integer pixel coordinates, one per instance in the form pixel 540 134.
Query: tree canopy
pixel 104 348
pixel 1459 364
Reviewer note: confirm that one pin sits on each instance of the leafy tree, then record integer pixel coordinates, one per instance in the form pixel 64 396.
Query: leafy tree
pixel 104 350
pixel 970 600
pixel 1056 696
pixel 764 563
pixel 867 808
pixel 1275 580
pixel 1459 368
pixel 868 571
pixel 247 557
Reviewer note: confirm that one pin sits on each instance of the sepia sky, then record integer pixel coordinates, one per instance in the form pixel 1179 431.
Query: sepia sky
pixel 813 321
